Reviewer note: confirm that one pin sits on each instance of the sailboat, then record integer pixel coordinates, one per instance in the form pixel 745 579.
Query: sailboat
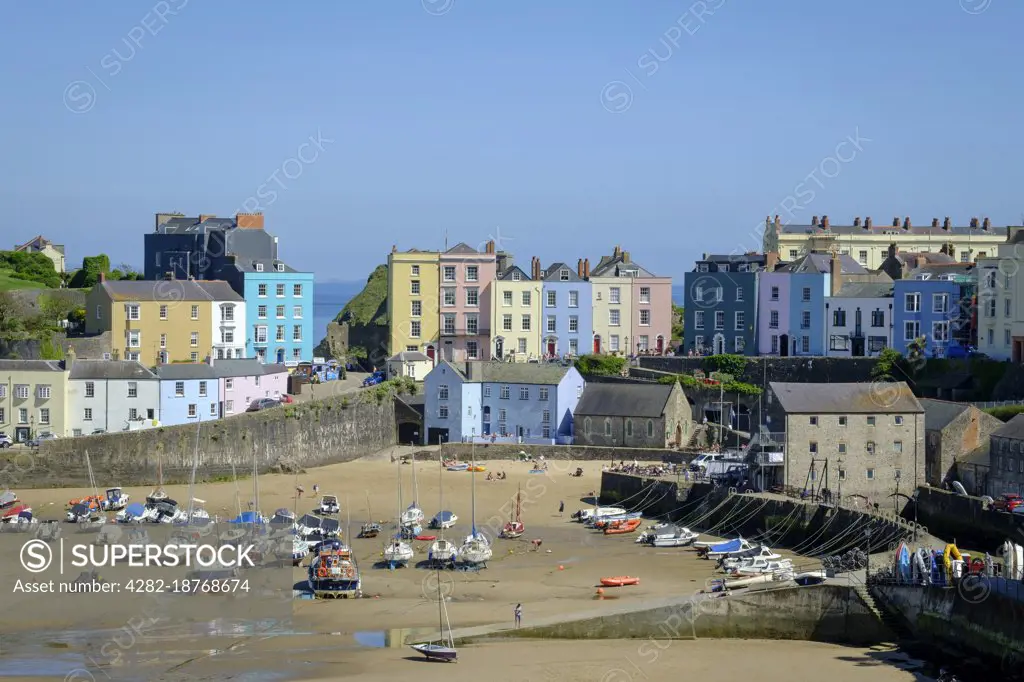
pixel 398 552
pixel 87 514
pixel 442 551
pixel 413 516
pixel 444 649
pixel 370 529
pixel 515 528
pixel 195 513
pixel 475 550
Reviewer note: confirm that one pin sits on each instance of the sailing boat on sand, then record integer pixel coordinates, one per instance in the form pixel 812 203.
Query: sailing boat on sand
pixel 370 529
pixel 476 550
pixel 413 516
pixel 442 551
pixel 398 553
pixel 444 649
pixel 515 527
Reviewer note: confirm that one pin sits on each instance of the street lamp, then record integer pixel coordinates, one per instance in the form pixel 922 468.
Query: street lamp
pixel 896 497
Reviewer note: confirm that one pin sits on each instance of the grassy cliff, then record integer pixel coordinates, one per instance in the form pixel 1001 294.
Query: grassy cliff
pixel 367 318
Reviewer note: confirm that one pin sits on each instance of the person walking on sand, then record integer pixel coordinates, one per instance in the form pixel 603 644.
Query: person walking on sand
pixel 316 489
pixel 519 615
pixel 561 507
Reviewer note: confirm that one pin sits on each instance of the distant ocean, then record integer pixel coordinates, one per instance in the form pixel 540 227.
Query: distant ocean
pixel 328 300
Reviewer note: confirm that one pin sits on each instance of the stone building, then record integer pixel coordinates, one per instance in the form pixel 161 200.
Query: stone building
pixel 634 416
pixel 864 440
pixel 1006 454
pixel 957 436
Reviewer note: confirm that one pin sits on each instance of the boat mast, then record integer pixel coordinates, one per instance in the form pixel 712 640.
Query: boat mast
pixel 255 489
pixel 415 487
pixel 192 480
pixel 472 471
pixel 440 495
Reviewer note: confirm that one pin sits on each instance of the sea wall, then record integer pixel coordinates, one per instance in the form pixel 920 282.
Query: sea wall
pixel 965 519
pixel 760 370
pixel 285 438
pixel 556 453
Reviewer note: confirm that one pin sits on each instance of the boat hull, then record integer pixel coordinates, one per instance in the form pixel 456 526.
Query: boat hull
pixel 620 581
pixel 436 652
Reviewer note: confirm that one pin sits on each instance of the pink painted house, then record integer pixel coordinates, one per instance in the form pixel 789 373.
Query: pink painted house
pixel 641 324
pixel 465 296
pixel 652 312
pixel 243 381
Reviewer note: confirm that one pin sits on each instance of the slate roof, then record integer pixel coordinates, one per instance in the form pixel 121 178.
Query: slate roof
pixel 110 369
pixel 487 372
pixel 624 400
pixel 409 356
pixel 39 242
pixel 756 258
pixel 888 228
pixel 865 290
pixel 220 369
pixel 507 274
pixel 31 366
pixel 859 398
pixel 551 274
pixel 1012 429
pixel 182 224
pixel 463 249
pixel 937 270
pixel 821 263
pixel 939 413
pixel 609 266
pixel 269 265
pixel 170 290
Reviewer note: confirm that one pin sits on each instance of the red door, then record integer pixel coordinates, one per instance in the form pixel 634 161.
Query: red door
pixel 661 345
pixel 597 344
pixel 430 353
pixel 551 347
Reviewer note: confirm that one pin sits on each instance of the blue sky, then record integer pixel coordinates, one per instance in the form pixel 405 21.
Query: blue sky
pixel 488 119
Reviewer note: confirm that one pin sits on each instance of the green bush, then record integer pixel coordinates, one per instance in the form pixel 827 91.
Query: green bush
pixel 1005 412
pixel 89 274
pixel 31 267
pixel 888 362
pixel 691 383
pixel 600 365
pixel 730 364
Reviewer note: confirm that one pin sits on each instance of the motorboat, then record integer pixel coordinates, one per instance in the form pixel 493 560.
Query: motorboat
pixel 251 518
pixel 442 552
pixel 299 549
pixel 398 553
pixel 602 522
pixel 584 515
pixel 115 500
pixel 683 537
pixel 133 513
pixel 412 517
pixel 308 526
pixel 370 530
pixel 82 513
pixel 622 527
pixel 23 522
pixel 810 578
pixel 410 532
pixel 11 507
pixel 329 505
pixel 443 520
pixel 333 572
pixel 91 501
pixel 762 566
pixel 725 548
pixel 734 560
pixel 747 582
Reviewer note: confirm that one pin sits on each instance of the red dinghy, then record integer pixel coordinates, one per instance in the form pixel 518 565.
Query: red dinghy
pixel 426 538
pixel 620 580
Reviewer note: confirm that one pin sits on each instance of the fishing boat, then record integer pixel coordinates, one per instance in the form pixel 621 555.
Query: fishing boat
pixel 515 527
pixel 623 527
pixel 398 552
pixel 761 567
pixel 444 648
pixel 584 515
pixel 329 505
pixel 620 581
pixel 333 572
pixel 442 552
pixel 115 499
pixel 476 550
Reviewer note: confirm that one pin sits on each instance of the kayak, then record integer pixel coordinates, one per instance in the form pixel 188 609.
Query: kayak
pixel 619 581
pixel 426 538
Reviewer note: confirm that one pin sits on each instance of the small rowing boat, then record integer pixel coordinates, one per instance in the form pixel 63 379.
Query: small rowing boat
pixel 620 581
pixel 622 527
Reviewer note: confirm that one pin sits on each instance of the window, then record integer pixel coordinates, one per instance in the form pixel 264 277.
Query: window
pixel 911 330
pixel 912 302
pixel 193 357
pixel 297 312
pixel 415 329
pixel 551 299
pixel 563 275
pixel 775 343
pixel 870 447
pixel 22 415
pixel 739 294
pixel 506 298
pixel 202 389
pixel 280 312
pixel 574 324
pixel 448 324
pixel 897 446
pixel 261 334
pixel 131 311
pixel 21 391
pixel 1006 337
pixel 506 323
pixel 645 295
pixel 871 420
pixel 645 318
pixel 793 254
pixel 262 289
pixel 417 308
pixel 229 384
pixel 487 394
pixel 195 312
pixel 472 273
pixel 965 256
pixel 414 287
pixel 229 406
pixel 812 447
pixel 805 319
pixel 719 319
pixel 877 318
pixel 522 346
pixel 192 412
pixel 134 338
pixel 442 392
pixel 991 337
pixel 442 412
pixel 1006 307
pixel 629 428
pixel 773 319
pixel 472 297
pixel 133 389
pixel 502 415
pixel 607 427
pixel 506 392
pixel 806 294
pixel 698 294
pixel 990 307
pixel 179 389
pixel 698 319
pixel 805 344
pixel 738 320
pixel 516 276
pixel 90 389
pixel 44 415
pixel 871 474
pixel 131 356
pixel 279 290
pixel 838 317
pixel 739 344
pixel 574 299
pixel 940 303
pixel 813 421
pixel 227 313
pixel 842 421
pixel 642 342
pixel 448 297
pixel 297 332
pixel 650 428
pixel 524 393
pixel 261 312
pixel 87 416
pixel 526 299
pixel 99 313
pixel 542 393
pixel 613 343
pixel 940 332
pixel 226 336
pixel 613 318
pixel 613 295
pixel 449 273
pixel 775 293
pixel 297 290
pixel 551 324
pixel 473 350
pixel 414 271
pixel 163 312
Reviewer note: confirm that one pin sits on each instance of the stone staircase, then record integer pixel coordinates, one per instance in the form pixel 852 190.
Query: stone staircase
pixel 891 620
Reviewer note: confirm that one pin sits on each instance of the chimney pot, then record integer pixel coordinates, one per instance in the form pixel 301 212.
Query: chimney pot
pixel 771 261
pixel 906 223
pixel 946 223
pixel 617 252
pixel 579 268
pixel 974 222
pixel 625 256
pixel 814 221
pixel 856 221
pixel 867 223
pixel 394 248
pixel 896 222
pixel 824 222
pixel 987 224
pixel 586 268
pixel 777 220
pixel 935 222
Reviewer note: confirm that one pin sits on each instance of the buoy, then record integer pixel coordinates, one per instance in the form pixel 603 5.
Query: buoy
pixel 561 568
pixel 600 592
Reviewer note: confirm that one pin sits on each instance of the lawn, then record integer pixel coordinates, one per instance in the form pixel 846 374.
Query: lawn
pixel 7 283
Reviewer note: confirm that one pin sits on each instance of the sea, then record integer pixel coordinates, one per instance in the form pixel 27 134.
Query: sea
pixel 328 300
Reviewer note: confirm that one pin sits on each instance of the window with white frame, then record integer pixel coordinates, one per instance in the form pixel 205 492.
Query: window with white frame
pixel 506 323
pixel 719 319
pixel 545 416
pixel 415 328
pixel 449 273
pixel 775 293
pixel 442 412
pixel 613 343
pixel 912 302
pixel 775 343
pixel 448 324
pixel 133 414
pixel 940 332
pixel 522 346
pixel 229 406
pixel 227 313
pixel 22 415
pixel 574 346
pixel 202 389
pixel 43 391
pixel 574 299
pixel 261 312
pixel 613 295
pixel 192 411
pixel 739 344
pixel 805 319
pixel 193 357
pixel 99 312
pixel 297 332
pixel 805 344
pixel 280 312
pixel 279 290
pixel 542 393
pixel 911 330
pixel 739 294
pixel 193 339
pixel 806 295
pixel 645 318
pixel 134 338
pixel 551 298
pixel 698 319
pixel 131 311
pixel 179 389
pixel 506 392
pixel 526 299
pixel 87 415
pixel 524 393
pixel 442 392
pixel 297 290
pixel 414 270
pixel 261 334
pixel 195 312
pixel 574 324
pixel 163 312
pixel 472 297
pixel 417 308
pixel 563 275
pixel 773 319
pixel 448 297
pixel 21 391
pixel 525 323
pixel 642 342
pixel 229 384
pixel 551 324
pixel 90 390
pixel 262 289
pixel 1007 303
pixel 44 415
pixel 516 277
pixel 940 303
pixel 133 389
pixel 414 287
pixel 506 298
pixel 739 319
pixel 472 323
pixel 227 336
pixel 472 273
pixel 473 350
pixel 645 294
pixel 613 318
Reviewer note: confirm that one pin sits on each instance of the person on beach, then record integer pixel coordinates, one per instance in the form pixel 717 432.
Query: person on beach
pixel 519 615
pixel 561 508
pixel 316 489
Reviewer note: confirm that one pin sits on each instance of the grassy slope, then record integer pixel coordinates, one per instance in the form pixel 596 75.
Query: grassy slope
pixel 8 283
pixel 370 305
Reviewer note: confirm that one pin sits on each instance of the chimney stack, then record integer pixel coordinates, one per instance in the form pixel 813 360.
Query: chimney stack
pixel 771 261
pixel 946 223
pixel 935 222
pixel 987 224
pixel 204 216
pixel 824 222
pixel 69 359
pixel 896 221
pixel 536 268
pixel 586 268
pixel 617 252
pixel 867 223
pixel 625 256
pixel 394 248
pixel 249 221
pixel 893 249
pixel 836 271
pixel 906 223
pixel 103 277
pixel 814 221
pixel 856 221
pixel 777 220
pixel 579 268
pixel 974 222
pixel 490 246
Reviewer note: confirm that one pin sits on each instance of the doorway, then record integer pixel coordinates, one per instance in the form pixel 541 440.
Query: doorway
pixel 719 345
pixel 430 353
pixel 551 347
pixel 597 344
pixel 660 345
pixel 280 356
pixel 679 435
pixel 499 347
pixel 784 345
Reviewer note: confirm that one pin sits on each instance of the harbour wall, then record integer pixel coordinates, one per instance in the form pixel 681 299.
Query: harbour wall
pixel 965 519
pixel 282 439
pixel 759 370
pixel 560 455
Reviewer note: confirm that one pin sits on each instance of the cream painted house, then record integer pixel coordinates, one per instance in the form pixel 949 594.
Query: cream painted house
pixel 516 315
pixel 41 244
pixel 412 364
pixel 613 307
pixel 33 398
pixel 868 243
pixel 1001 300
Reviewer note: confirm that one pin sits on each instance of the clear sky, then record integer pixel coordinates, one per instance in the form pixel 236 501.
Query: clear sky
pixel 562 127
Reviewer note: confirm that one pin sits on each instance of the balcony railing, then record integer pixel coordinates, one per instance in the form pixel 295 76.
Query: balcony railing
pixel 464 331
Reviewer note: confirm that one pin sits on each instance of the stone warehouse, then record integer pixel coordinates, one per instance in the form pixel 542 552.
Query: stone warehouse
pixel 634 416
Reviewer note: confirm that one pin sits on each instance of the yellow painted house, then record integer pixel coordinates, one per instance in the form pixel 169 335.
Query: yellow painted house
pixel 33 398
pixel 160 321
pixel 413 306
pixel 516 315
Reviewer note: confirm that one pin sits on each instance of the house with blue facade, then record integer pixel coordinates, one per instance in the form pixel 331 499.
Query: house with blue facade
pixel 279 327
pixel 791 303
pixel 935 303
pixel 567 323
pixel 501 402
pixel 721 304
pixel 189 393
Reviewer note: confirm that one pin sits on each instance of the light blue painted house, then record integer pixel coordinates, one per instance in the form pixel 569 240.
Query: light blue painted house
pixel 936 302
pixel 279 308
pixel 189 393
pixel 567 316
pixel 501 402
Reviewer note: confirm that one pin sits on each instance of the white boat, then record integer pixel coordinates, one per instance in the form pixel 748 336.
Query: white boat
pixel 476 549
pixel 681 540
pixel 329 505
pixel 333 572
pixel 413 516
pixel 730 548
pixel 584 515
pixel 398 553
pixel 115 499
pixel 748 582
pixel 761 567
pixel 442 551
pixel 444 649
pixel 762 552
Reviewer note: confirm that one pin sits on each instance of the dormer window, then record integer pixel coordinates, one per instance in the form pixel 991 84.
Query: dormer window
pixel 280 267
pixel 259 267
pixel 516 276
pixel 703 267
pixel 741 267
pixel 563 275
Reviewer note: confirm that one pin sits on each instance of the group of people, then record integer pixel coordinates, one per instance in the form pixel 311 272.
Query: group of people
pixel 635 468
pixel 501 476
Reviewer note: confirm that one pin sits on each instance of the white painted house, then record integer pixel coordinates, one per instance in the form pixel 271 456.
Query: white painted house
pixel 858 320
pixel 412 364
pixel 110 395
pixel 229 329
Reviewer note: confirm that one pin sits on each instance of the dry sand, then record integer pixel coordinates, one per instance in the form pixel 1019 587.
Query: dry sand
pixel 560 578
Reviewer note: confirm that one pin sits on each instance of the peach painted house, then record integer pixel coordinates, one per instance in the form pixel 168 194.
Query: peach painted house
pixel 632 306
pixel 467 276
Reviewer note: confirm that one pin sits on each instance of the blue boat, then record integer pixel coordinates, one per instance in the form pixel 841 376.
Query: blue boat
pixel 444 519
pixel 132 513
pixel 333 571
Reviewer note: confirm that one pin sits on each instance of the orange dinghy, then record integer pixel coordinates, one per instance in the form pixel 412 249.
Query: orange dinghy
pixel 619 581
pixel 623 527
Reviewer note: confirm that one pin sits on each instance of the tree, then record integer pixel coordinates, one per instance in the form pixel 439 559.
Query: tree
pixel 678 315
pixel 56 306
pixel 10 313
pixel 89 274
pixel 602 365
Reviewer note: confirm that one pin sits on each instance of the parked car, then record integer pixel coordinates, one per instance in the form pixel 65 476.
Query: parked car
pixel 97 432
pixel 286 399
pixel 262 404
pixel 1008 502
pixel 5 440
pixel 41 438
pixel 374 379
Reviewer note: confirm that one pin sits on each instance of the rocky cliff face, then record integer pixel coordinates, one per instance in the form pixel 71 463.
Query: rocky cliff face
pixel 360 331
